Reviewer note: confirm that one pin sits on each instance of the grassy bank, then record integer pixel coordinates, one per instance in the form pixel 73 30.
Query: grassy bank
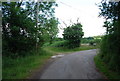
pixel 105 69
pixel 21 67
pixel 65 50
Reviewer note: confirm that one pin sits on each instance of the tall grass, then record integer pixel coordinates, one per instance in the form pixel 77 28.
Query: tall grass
pixel 108 59
pixel 22 67
pixel 104 68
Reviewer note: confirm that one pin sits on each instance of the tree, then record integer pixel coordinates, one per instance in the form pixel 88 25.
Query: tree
pixel 19 25
pixel 110 48
pixel 47 23
pixel 50 30
pixel 73 35
pixel 18 29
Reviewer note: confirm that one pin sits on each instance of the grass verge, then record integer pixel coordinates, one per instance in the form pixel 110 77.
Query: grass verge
pixel 53 49
pixel 105 69
pixel 22 67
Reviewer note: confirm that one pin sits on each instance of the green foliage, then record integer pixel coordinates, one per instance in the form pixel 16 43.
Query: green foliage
pixel 16 27
pixel 87 40
pixel 59 44
pixel 58 39
pixel 73 35
pixel 49 32
pixel 110 47
pixel 19 34
pixel 112 75
pixel 110 52
pixel 21 68
pixel 95 39
pixel 57 50
pixel 19 26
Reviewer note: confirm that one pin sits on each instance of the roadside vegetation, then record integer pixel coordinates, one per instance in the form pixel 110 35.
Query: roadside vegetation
pixel 57 47
pixel 24 31
pixel 22 67
pixel 104 68
pixel 108 60
pixel 29 39
pixel 58 50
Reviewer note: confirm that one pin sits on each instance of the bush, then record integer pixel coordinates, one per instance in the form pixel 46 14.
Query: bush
pixel 60 44
pixel 109 52
pixel 73 35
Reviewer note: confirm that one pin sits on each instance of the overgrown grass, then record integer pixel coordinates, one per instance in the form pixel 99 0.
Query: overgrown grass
pixel 65 50
pixel 21 67
pixel 105 69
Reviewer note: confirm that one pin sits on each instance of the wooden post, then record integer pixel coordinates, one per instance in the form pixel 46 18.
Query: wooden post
pixel 37 25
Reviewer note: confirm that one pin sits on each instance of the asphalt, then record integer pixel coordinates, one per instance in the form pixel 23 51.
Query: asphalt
pixel 78 65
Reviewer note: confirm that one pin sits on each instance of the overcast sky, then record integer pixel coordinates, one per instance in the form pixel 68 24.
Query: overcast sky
pixel 85 10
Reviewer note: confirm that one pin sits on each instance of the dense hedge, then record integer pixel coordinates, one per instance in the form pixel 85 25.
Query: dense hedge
pixel 110 48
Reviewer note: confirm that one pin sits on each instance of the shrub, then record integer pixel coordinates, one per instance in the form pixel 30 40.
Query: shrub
pixel 73 35
pixel 60 44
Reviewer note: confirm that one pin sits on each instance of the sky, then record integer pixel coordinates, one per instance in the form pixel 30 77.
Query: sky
pixel 68 11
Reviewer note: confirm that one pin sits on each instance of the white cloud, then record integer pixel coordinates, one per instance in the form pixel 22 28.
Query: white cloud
pixel 87 14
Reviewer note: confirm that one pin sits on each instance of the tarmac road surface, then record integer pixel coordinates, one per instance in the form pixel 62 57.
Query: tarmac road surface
pixel 78 65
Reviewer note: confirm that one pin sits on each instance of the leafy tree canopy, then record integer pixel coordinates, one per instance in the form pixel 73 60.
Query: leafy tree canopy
pixel 73 35
pixel 19 22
